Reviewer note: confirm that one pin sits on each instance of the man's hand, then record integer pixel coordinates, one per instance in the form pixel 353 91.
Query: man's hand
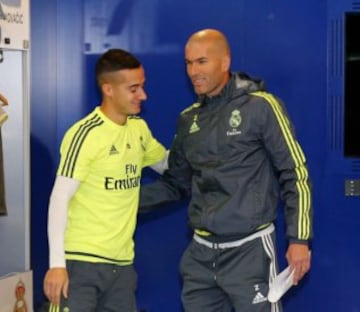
pixel 56 282
pixel 298 257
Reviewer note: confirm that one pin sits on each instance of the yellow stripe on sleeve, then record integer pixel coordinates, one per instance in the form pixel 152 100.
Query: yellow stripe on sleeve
pixel 54 308
pixel 299 159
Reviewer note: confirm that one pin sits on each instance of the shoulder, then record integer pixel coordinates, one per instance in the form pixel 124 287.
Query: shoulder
pixel 265 96
pixel 135 117
pixel 190 108
pixel 91 120
pixel 261 96
pixel 270 106
pixel 266 100
pixel 85 126
pixel 137 123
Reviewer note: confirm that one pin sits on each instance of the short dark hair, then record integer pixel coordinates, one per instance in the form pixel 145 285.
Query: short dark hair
pixel 114 60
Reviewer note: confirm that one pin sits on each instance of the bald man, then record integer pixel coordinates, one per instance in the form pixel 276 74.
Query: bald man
pixel 234 153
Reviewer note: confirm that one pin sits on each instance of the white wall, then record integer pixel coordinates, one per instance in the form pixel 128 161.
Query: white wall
pixel 14 228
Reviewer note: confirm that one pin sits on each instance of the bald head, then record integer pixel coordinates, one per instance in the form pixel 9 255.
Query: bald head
pixel 211 37
pixel 207 57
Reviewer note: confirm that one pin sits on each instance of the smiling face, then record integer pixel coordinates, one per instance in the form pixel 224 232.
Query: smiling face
pixel 123 92
pixel 207 60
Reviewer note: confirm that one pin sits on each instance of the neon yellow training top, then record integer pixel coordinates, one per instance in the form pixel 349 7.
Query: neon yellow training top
pixel 107 159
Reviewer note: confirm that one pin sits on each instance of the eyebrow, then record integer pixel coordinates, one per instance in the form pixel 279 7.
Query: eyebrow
pixel 136 85
pixel 202 58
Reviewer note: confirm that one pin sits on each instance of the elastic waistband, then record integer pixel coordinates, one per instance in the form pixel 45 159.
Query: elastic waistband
pixel 268 230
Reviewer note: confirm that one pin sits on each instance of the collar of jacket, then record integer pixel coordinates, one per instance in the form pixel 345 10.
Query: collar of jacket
pixel 239 83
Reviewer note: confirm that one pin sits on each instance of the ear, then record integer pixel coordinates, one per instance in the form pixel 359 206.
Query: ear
pixel 226 63
pixel 107 89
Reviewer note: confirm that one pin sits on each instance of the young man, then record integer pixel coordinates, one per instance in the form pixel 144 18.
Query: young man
pixel 93 205
pixel 232 151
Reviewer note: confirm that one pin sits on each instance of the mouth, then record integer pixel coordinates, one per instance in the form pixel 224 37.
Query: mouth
pixel 197 81
pixel 136 106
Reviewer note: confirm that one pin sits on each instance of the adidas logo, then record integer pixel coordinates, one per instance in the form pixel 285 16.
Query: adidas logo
pixel 194 127
pixel 259 298
pixel 113 150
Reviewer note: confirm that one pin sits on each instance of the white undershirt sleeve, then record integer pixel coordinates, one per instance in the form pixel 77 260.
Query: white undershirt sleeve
pixel 63 190
pixel 162 165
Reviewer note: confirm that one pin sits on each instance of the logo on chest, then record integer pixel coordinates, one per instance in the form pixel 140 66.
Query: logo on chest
pixel 234 123
pixel 194 126
pixel 113 150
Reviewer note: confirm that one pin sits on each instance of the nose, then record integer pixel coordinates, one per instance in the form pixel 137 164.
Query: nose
pixel 142 94
pixel 192 69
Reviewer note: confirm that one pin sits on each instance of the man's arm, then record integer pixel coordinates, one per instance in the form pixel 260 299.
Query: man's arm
pixel 162 165
pixel 56 279
pixel 290 163
pixel 174 184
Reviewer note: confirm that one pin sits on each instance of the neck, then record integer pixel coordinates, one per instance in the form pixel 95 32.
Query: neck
pixel 114 116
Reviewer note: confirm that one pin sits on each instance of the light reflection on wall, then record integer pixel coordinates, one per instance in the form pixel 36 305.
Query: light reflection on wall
pixel 127 24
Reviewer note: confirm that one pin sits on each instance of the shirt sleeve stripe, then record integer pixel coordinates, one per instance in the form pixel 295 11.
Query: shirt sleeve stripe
pixel 72 153
pixel 304 195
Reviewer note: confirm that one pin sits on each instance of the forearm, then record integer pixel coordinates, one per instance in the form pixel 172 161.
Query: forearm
pixel 155 194
pixel 162 165
pixel 63 191
pixel 296 193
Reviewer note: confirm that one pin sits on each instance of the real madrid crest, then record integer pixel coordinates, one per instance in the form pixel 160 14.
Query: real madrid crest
pixel 235 119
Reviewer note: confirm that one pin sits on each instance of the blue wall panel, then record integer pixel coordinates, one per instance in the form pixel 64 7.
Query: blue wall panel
pixel 56 93
pixel 284 43
pixel 43 131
